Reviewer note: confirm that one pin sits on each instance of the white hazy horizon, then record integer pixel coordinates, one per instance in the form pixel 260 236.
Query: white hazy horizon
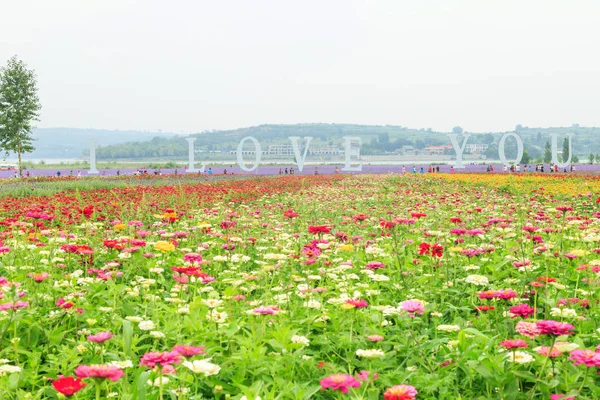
pixel 189 66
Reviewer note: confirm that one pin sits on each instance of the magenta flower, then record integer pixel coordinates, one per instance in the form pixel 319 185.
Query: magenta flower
pixel 357 303
pixel 514 344
pixel 413 307
pixel 340 382
pixel 529 329
pixel 522 310
pixel 550 327
pixel 189 351
pixel 374 265
pixel 100 337
pixel 152 358
pixel 588 357
pixel 99 371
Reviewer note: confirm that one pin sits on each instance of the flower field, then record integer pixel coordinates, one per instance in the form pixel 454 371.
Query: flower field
pixel 464 286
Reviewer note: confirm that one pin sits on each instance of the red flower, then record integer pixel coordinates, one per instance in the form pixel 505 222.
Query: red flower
pixel 290 213
pixel 315 230
pixel 435 250
pixel 68 385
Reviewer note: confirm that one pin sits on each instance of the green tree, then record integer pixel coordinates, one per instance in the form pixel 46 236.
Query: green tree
pixel 591 159
pixel 526 157
pixel 565 153
pixel 575 159
pixel 547 153
pixel 457 129
pixel 19 107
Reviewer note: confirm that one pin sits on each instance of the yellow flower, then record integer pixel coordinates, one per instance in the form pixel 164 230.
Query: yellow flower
pixel 347 247
pixel 454 249
pixel 118 227
pixel 347 306
pixel 579 253
pixel 164 246
pixel 203 225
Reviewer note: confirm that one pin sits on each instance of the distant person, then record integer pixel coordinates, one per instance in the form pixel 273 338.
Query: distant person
pixel 286 171
pixel 71 173
pixel 78 174
pixel 422 170
pixel 316 171
pixel 403 170
pixel 437 168
pixel 27 174
pixel 175 171
pixel 58 174
pixel 225 171
pixel 280 171
pixel 210 171
pixel 414 169
pixel 118 172
pixel 16 174
pixel 292 171
pixel 452 169
pixel 337 170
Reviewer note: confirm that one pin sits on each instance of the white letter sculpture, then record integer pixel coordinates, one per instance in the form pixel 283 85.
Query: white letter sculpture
pixel 191 167
pixel 519 148
pixel 240 157
pixel 93 170
pixel 555 150
pixel 352 148
pixel 300 159
pixel 458 149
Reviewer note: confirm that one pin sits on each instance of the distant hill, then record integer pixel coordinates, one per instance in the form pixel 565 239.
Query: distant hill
pixel 72 142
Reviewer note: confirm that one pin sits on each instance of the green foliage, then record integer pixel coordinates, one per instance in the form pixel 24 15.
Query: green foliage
pixel 547 152
pixel 19 107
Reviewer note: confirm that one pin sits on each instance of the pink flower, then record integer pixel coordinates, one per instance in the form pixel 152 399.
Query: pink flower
pixel 522 310
pixel 14 306
pixel 546 352
pixel 264 310
pixel 528 329
pixel 413 307
pixel 374 265
pixel 100 337
pixel 588 357
pixel 560 397
pixel 357 303
pixel 189 351
pixel 152 358
pixel 550 327
pixel 400 392
pixel 514 344
pixel 99 371
pixel 375 338
pixel 339 382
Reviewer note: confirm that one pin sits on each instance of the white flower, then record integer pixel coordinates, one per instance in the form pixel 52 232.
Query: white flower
pixel 519 357
pixel 134 319
pixel 202 367
pixel 158 381
pixel 371 353
pixel 563 312
pixel 121 364
pixel 157 334
pixel 448 328
pixel 9 369
pixel 220 317
pixel 300 340
pixel 212 303
pixel 478 280
pixel 146 325
pixel 255 398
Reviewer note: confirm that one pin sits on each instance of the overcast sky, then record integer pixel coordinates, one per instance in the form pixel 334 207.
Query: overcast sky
pixel 191 65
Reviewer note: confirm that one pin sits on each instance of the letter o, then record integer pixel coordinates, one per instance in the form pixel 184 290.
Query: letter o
pixel 240 157
pixel 501 153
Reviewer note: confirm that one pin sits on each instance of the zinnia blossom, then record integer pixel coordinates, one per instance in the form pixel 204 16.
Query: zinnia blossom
pixel 99 371
pixel 100 337
pixel 340 382
pixel 413 307
pixel 166 358
pixel 189 351
pixel 315 230
pixel 514 344
pixel 555 328
pixel 400 392
pixel 357 303
pixel 68 386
